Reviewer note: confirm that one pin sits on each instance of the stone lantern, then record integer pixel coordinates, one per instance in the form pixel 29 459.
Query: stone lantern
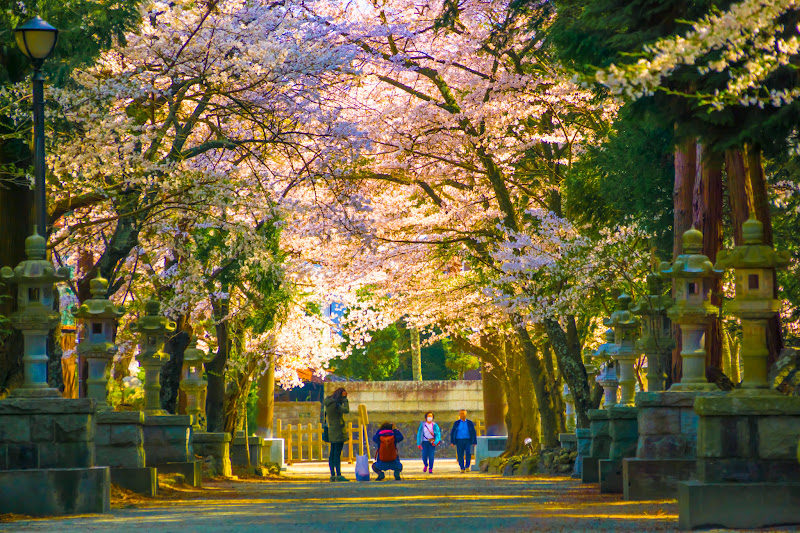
pixel 99 317
pixel 152 330
pixel 655 342
pixel 193 384
pixel 607 376
pixel 754 264
pixel 694 275
pixel 588 364
pixel 626 327
pixel 35 315
pixel 569 404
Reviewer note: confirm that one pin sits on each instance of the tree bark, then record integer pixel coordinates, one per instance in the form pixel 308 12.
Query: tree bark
pixel 570 365
pixel 416 353
pixel 541 389
pixel 215 393
pixel 172 369
pixel 495 402
pixel 682 195
pixel 707 208
pixel 266 400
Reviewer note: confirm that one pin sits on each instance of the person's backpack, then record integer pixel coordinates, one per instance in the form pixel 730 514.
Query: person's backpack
pixel 387 452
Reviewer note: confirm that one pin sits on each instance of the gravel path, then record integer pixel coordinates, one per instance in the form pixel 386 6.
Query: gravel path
pixel 446 501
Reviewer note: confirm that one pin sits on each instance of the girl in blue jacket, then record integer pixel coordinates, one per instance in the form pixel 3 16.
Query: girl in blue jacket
pixel 428 436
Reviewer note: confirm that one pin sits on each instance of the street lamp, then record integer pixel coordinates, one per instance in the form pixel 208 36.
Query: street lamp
pixel 37 39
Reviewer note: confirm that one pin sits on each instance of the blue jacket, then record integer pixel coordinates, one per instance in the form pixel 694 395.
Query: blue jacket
pixel 437 434
pixel 398 438
pixel 473 437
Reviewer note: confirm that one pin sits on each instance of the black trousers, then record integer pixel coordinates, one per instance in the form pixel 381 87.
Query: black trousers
pixel 335 458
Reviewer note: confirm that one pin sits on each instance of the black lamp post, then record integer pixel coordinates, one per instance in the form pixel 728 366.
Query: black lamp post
pixel 37 39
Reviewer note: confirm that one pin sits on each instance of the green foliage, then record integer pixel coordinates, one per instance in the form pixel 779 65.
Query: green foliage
pixel 377 361
pixel 630 175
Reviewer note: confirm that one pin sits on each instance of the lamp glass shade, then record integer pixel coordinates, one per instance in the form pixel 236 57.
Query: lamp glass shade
pixel 36 38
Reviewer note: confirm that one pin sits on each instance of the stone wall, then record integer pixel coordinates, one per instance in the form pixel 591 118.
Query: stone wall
pixel 120 439
pixel 47 433
pixel 167 439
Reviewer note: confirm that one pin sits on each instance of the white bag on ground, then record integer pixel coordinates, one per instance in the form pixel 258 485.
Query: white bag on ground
pixel 362 468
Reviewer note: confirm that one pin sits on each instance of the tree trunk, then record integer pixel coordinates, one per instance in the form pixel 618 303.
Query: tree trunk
pixel 570 365
pixel 266 400
pixel 495 403
pixel 172 369
pixel 416 353
pixel 215 395
pixel 707 208
pixel 682 195
pixel 541 389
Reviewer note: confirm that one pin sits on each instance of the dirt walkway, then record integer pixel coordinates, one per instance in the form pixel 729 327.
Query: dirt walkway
pixel 445 501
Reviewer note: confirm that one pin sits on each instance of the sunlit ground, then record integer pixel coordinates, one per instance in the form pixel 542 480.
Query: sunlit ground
pixel 445 501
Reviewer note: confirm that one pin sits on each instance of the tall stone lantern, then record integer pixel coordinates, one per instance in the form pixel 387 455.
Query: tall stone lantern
pixel 99 316
pixel 35 315
pixel 152 330
pixel 693 274
pixel 655 342
pixel 754 264
pixel 607 377
pixel 569 405
pixel 193 384
pixel 626 328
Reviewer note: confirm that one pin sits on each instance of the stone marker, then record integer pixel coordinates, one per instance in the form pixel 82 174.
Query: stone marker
pixel 748 475
pixel 667 444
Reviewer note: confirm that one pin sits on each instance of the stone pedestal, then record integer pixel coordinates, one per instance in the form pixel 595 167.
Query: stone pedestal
pixel 216 446
pixel 120 445
pixel 623 428
pixel 599 447
pixel 168 446
pixel 239 452
pixel 568 441
pixel 667 445
pixel 47 458
pixel 747 468
pixel 584 444
pixel 488 447
pixel 273 451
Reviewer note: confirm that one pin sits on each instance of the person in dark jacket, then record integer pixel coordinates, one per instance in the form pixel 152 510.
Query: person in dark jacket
pixel 387 438
pixel 336 406
pixel 463 436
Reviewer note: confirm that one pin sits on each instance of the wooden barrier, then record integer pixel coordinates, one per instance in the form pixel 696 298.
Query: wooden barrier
pixel 303 442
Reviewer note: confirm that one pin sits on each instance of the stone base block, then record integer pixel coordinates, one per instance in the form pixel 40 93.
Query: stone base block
pixel 140 480
pixel 191 470
pixel 273 451
pixel 654 479
pixel 610 476
pixel 490 446
pixel 568 441
pixel 590 472
pixel 738 505
pixel 57 491
pixel 217 447
pixel 239 451
pixel 167 439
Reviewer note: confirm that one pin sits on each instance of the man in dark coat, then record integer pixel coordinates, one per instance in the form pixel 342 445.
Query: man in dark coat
pixel 463 436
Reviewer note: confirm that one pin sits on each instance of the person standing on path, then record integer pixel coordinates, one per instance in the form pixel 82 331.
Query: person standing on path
pixel 336 406
pixel 387 458
pixel 428 436
pixel 463 436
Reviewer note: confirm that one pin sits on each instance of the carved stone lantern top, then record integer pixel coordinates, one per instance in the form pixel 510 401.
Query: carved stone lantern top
pixel 194 356
pixel 153 329
pixel 98 306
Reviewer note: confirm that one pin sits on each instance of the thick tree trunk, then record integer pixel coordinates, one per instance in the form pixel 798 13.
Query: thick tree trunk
pixel 495 403
pixel 266 400
pixel 682 195
pixel 570 365
pixel 215 395
pixel 172 369
pixel 707 208
pixel 541 388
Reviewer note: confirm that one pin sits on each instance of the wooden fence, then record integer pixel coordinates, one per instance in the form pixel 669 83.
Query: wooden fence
pixel 303 442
